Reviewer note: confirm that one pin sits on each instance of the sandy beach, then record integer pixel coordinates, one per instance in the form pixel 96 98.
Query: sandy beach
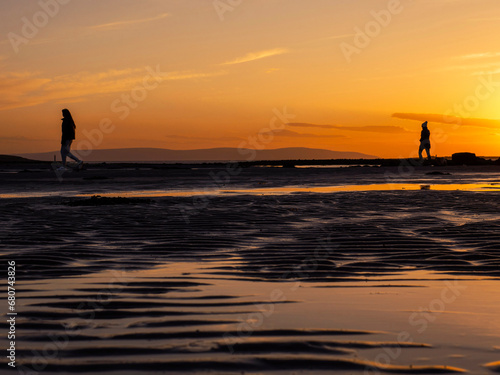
pixel 250 187
pixel 359 270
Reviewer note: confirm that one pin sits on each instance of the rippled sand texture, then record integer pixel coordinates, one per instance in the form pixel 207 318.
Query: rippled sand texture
pixel 300 283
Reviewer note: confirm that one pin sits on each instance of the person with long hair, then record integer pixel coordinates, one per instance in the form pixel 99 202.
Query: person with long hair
pixel 68 135
pixel 425 143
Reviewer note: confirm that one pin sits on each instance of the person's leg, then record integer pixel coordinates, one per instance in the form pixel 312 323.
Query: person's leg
pixel 69 154
pixel 428 151
pixel 64 153
pixel 420 149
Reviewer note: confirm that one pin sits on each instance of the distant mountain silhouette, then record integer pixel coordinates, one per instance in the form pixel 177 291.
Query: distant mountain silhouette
pixel 14 159
pixel 211 154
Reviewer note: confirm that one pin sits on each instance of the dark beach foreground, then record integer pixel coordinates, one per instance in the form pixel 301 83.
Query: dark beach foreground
pixel 259 270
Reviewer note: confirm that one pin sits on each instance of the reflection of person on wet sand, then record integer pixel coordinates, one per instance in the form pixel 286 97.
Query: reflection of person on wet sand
pixel 68 135
pixel 425 142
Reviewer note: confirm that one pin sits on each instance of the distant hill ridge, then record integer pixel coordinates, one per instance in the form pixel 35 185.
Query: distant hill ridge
pixel 211 154
pixel 14 159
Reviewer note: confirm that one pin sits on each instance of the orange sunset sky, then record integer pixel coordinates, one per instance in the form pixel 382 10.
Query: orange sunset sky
pixel 355 75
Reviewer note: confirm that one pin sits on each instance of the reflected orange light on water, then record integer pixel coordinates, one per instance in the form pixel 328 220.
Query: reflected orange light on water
pixel 296 189
pixel 265 191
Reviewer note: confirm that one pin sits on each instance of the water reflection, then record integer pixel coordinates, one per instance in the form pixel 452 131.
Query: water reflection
pixel 265 191
pixel 298 189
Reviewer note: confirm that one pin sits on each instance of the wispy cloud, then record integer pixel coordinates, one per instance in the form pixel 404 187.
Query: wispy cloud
pixel 123 24
pixel 176 76
pixel 451 120
pixel 374 129
pixel 482 55
pixel 290 133
pixel 19 90
pixel 476 69
pixel 252 56
pixel 306 125
pixel 371 129
pixel 480 63
pixel 191 138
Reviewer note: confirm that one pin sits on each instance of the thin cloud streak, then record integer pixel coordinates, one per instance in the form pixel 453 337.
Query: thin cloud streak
pixel 252 56
pixel 483 55
pixel 370 129
pixel 122 24
pixel 475 69
pixel 290 133
pixel 191 138
pixel 450 120
pixel 18 90
pixel 177 76
pixel 306 125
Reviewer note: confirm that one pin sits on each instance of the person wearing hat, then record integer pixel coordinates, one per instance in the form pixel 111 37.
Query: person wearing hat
pixel 425 142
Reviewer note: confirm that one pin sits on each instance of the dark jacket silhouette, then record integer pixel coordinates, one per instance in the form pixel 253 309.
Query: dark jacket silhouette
pixel 68 130
pixel 425 135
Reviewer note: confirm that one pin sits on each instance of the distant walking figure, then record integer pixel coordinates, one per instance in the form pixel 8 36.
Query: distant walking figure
pixel 425 142
pixel 68 135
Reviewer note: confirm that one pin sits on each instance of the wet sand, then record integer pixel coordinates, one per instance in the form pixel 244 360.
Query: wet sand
pixel 238 279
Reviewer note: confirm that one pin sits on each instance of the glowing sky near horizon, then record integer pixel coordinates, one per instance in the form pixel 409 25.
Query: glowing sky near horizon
pixel 186 74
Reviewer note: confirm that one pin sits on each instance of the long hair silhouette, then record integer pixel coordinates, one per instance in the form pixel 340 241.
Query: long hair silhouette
pixel 67 116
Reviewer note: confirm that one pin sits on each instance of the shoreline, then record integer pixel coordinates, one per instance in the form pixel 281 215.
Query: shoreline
pixel 459 159
pixel 102 178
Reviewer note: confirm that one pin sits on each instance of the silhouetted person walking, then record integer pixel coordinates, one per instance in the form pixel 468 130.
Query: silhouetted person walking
pixel 68 135
pixel 425 142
